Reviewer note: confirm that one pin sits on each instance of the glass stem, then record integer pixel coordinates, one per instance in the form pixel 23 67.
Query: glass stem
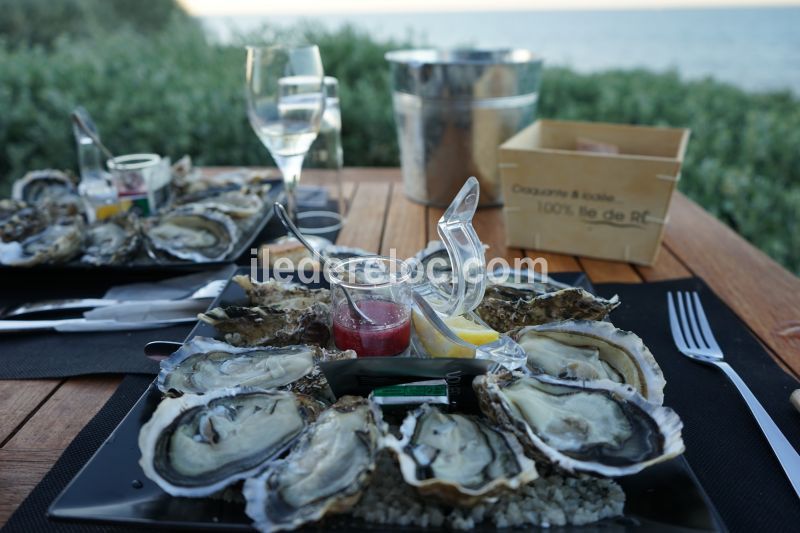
pixel 290 167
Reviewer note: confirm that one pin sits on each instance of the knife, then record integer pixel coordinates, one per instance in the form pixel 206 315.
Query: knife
pixel 85 324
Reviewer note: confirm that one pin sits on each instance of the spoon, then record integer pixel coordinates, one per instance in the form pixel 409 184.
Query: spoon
pixel 324 261
pixel 76 118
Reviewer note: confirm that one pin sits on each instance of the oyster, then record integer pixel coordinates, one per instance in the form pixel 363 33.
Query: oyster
pixel 44 186
pixel 19 220
pixel 275 325
pixel 458 459
pixel 203 364
pixel 506 306
pixel 235 204
pixel 112 242
pixel 325 473
pixel 285 295
pixel 192 233
pixel 607 430
pixel 588 350
pixel 196 445
pixel 55 244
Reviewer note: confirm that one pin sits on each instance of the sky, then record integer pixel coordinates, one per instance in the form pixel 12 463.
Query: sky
pixel 299 7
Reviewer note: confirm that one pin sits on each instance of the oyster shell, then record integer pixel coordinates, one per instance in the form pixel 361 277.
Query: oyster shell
pixel 19 220
pixel 273 325
pixel 55 244
pixel 506 306
pixel 607 430
pixel 325 473
pixel 203 364
pixel 236 204
pixel 587 350
pixel 196 445
pixel 44 186
pixel 285 295
pixel 192 233
pixel 458 459
pixel 112 242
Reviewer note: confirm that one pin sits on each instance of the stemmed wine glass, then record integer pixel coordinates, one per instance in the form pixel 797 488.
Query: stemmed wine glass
pixel 285 104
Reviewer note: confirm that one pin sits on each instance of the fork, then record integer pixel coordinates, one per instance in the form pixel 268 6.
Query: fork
pixel 694 339
pixel 209 290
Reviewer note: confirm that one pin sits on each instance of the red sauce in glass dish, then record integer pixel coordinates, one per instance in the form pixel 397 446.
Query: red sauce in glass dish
pixel 390 336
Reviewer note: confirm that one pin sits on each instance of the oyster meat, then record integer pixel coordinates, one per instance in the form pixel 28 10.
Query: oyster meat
pixel 191 233
pixel 285 295
pixel 325 473
pixel 607 430
pixel 112 242
pixel 275 325
pixel 236 204
pixel 57 243
pixel 203 364
pixel 196 445
pixel 587 350
pixel 458 459
pixel 506 306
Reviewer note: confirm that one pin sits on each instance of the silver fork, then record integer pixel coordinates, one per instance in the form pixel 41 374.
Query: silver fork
pixel 209 290
pixel 694 339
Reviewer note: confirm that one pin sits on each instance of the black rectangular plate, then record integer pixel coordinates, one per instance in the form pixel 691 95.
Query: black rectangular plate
pixel 240 253
pixel 111 487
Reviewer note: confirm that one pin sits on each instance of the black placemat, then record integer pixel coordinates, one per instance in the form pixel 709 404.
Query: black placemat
pixel 724 445
pixel 49 354
pixel 31 515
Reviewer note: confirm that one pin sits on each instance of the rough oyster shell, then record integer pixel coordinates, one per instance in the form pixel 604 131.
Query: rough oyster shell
pixel 58 243
pixel 458 459
pixel 18 220
pixel 43 186
pixel 272 325
pixel 588 350
pixel 284 295
pixel 196 445
pixel 506 306
pixel 192 233
pixel 607 430
pixel 113 241
pixel 325 473
pixel 203 364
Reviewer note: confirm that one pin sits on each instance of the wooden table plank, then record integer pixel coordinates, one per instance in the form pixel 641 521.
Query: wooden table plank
pixel 764 294
pixel 667 267
pixel 405 230
pixel 19 399
pixel 20 472
pixel 601 271
pixel 556 262
pixel 366 217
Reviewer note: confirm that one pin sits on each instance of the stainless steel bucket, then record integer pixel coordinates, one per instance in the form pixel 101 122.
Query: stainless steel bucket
pixel 453 109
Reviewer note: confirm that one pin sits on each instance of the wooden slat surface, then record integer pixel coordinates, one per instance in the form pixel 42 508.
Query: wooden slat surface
pixel 38 418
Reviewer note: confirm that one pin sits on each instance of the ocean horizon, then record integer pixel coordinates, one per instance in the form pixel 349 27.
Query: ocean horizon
pixel 757 49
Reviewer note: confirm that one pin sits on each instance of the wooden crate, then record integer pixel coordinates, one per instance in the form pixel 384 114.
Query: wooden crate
pixel 606 205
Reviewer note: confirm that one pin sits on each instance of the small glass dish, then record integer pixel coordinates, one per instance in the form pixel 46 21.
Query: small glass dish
pixel 380 288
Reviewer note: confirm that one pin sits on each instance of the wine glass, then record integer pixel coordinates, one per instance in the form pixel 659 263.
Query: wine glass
pixel 285 104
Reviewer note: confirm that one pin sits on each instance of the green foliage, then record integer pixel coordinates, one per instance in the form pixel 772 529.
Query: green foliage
pixel 171 91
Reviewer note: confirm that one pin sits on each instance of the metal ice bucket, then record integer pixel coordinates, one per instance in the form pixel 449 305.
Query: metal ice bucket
pixel 453 109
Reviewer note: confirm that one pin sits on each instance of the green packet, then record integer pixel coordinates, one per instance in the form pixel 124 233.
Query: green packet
pixel 432 391
pixel 362 376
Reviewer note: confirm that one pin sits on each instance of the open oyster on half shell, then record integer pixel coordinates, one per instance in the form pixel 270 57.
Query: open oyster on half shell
pixel 196 445
pixel 458 459
pixel 19 220
pixel 113 241
pixel 285 295
pixel 192 233
pixel 325 473
pixel 203 364
pixel 607 430
pixel 589 350
pixel 510 305
pixel 57 243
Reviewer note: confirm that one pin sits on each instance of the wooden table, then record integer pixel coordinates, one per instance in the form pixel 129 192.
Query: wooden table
pixel 39 418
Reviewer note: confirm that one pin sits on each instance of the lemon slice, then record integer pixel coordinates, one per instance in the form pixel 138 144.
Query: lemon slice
pixel 438 346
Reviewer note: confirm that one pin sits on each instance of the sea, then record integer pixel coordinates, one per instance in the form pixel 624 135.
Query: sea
pixel 757 49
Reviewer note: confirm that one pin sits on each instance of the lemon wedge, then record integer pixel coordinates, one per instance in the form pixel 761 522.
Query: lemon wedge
pixel 438 346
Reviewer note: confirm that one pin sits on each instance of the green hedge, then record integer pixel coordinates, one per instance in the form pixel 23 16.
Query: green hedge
pixel 173 92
